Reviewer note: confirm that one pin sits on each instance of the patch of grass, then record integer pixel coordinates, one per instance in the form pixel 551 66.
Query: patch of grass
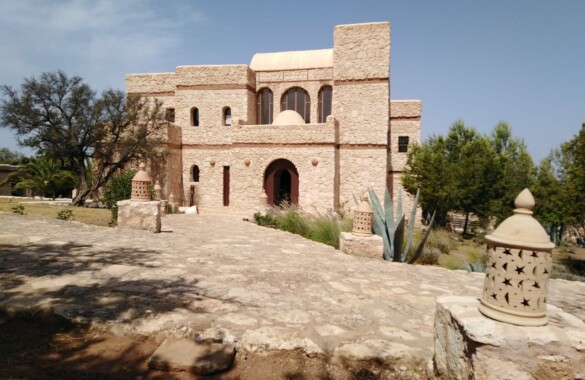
pixel 294 221
pixel 321 228
pixel 95 216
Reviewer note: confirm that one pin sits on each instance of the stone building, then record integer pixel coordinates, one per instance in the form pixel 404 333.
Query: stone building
pixel 312 128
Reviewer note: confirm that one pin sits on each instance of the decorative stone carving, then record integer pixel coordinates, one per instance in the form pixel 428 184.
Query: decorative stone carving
pixel 212 162
pixel 247 162
pixel 141 185
pixel 518 268
pixel 315 162
pixel 362 218
pixel 158 191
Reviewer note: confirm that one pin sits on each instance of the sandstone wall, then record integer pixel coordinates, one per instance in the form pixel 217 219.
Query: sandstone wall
pixel 361 168
pixel 361 51
pixel 247 182
pixel 286 134
pixel 150 83
pixel 405 116
pixel 310 80
pixel 361 73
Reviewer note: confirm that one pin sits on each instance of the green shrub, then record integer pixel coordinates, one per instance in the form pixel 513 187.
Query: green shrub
pixel 18 209
pixel 321 228
pixel 65 214
pixel 118 189
pixel 266 220
pixel 293 221
pixel 325 230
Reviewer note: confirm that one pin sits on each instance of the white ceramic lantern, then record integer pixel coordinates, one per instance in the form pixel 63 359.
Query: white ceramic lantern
pixel 518 268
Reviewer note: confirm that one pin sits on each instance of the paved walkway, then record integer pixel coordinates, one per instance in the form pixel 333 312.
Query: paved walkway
pixel 220 278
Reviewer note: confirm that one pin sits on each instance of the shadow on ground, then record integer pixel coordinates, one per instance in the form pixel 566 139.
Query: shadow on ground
pixel 81 281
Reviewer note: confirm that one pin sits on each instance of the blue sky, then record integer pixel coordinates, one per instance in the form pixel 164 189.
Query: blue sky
pixel 520 61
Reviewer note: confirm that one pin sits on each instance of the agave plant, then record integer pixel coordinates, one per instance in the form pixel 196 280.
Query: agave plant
pixel 391 227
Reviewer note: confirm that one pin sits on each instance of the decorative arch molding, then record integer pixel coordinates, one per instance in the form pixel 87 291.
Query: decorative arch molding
pixel 281 182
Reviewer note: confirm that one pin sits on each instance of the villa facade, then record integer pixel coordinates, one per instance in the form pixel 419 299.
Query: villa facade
pixel 312 128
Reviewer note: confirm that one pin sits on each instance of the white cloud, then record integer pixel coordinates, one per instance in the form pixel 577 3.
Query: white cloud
pixel 101 40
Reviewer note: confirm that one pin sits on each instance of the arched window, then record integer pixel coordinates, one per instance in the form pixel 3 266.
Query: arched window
pixel 264 106
pixel 297 99
pixel 195 176
pixel 325 97
pixel 195 116
pixel 227 116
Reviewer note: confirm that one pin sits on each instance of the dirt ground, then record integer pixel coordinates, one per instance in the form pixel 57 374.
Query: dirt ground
pixel 50 347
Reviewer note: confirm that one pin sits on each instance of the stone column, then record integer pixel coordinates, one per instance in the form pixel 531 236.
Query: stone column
pixel 140 212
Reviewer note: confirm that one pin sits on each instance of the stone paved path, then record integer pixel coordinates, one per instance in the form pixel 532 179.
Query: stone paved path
pixel 214 277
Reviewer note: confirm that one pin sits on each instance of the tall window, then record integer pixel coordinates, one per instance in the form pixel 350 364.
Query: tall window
pixel 264 106
pixel 227 116
pixel 170 115
pixel 195 116
pixel 325 97
pixel 402 144
pixel 195 177
pixel 297 99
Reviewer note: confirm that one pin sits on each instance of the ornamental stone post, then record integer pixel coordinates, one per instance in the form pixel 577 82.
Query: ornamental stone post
pixel 518 268
pixel 362 218
pixel 141 185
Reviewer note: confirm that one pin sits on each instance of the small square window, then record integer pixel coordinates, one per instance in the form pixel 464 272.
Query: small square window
pixel 402 144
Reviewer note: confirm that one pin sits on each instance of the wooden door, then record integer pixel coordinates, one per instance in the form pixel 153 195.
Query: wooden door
pixel 226 185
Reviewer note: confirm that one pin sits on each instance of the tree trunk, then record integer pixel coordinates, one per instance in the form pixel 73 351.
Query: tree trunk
pixel 466 223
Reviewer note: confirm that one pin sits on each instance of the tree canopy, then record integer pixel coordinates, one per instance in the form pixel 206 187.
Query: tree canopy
pixel 468 172
pixel 43 176
pixel 62 118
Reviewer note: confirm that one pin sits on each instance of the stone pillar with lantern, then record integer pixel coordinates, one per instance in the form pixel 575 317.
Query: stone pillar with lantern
pixel 361 241
pixel 140 212
pixel 511 332
pixel 518 268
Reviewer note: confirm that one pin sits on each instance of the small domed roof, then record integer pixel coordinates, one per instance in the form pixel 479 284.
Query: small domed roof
pixel 288 117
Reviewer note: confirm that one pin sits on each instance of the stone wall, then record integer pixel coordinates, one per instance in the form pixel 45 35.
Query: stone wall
pixel 361 73
pixel 361 51
pixel 355 150
pixel 247 182
pixel 311 80
pixel 309 134
pixel 157 83
pixel 405 118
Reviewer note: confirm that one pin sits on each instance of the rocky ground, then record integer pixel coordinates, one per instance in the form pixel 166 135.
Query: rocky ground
pixel 214 278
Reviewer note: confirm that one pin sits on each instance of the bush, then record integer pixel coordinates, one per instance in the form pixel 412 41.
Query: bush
pixel 118 189
pixel 18 209
pixel 65 214
pixel 293 221
pixel 321 228
pixel 430 256
pixel 266 220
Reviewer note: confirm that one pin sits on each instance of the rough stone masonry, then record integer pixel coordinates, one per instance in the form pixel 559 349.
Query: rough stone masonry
pixel 257 288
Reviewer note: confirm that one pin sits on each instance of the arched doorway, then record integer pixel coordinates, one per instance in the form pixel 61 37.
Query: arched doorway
pixel 281 183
